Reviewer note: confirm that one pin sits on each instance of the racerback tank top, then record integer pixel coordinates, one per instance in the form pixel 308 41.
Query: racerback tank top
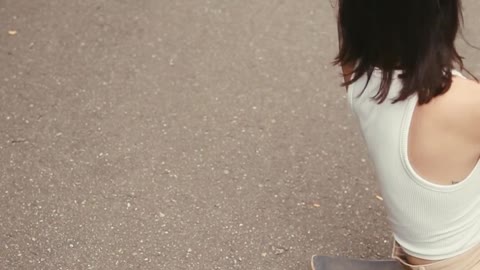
pixel 429 221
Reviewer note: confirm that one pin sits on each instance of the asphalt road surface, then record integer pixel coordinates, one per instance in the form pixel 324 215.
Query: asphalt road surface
pixel 200 134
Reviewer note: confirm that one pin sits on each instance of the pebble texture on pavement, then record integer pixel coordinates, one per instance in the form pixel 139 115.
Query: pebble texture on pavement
pixel 201 134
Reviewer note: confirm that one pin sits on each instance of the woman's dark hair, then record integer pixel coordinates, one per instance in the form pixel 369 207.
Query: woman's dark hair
pixel 414 36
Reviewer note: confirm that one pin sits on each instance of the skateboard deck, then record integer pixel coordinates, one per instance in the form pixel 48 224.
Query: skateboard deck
pixel 339 263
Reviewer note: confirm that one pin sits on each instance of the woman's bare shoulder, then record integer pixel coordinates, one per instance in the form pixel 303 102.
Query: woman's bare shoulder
pixel 460 107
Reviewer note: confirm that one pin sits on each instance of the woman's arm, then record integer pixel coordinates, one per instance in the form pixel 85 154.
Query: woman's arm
pixel 347 69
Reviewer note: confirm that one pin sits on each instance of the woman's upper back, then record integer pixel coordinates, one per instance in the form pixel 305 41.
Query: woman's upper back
pixel 418 151
pixel 444 141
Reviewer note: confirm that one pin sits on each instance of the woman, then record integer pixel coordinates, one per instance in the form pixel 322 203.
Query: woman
pixel 420 119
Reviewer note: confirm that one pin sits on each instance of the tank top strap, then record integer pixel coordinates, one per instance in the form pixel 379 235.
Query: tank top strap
pixel 457 73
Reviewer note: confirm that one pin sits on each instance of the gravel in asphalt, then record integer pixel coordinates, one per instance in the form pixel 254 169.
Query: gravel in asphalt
pixel 206 134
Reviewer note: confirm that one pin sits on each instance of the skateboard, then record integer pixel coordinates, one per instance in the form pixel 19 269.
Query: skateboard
pixel 339 263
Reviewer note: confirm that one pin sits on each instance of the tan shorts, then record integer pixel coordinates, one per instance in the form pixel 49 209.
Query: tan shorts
pixel 469 260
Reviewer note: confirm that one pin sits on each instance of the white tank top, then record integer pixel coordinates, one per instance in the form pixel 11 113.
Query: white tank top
pixel 429 221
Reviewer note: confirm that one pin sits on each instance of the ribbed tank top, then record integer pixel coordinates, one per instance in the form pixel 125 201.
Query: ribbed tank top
pixel 429 221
